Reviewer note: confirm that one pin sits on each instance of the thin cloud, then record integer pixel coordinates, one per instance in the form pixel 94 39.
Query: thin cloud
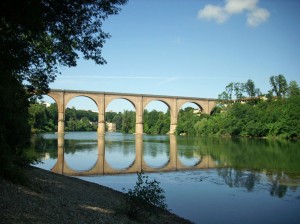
pixel 75 79
pixel 168 80
pixel 220 14
pixel 111 77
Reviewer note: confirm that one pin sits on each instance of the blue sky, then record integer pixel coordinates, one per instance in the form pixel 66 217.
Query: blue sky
pixel 193 47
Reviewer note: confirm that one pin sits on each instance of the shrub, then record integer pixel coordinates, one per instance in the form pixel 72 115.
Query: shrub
pixel 145 192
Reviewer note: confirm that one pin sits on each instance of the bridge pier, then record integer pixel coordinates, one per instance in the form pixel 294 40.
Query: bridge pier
pixel 172 129
pixel 139 128
pixel 61 125
pixel 139 101
pixel 101 128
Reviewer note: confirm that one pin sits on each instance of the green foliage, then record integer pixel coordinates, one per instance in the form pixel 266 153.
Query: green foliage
pixel 128 122
pixel 41 118
pixel 14 129
pixel 187 118
pixel 156 122
pixel 145 191
pixel 113 117
pixel 240 90
pixel 44 119
pixel 279 85
pixel 293 89
pixel 278 118
pixel 81 120
pixel 36 37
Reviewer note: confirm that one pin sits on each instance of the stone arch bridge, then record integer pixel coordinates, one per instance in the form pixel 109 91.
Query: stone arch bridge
pixel 139 102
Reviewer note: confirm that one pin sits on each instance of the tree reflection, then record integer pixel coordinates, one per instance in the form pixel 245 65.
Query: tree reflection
pixel 239 178
pixel 281 182
pixel 278 190
pixel 242 163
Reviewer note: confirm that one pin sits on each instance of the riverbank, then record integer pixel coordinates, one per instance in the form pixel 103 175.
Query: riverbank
pixel 52 198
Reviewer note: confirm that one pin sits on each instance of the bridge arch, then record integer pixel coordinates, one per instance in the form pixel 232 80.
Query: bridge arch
pixel 139 101
pixel 69 98
pixel 110 99
pixel 73 121
pixel 52 97
pixel 156 117
pixel 148 101
pixel 186 162
pixel 184 102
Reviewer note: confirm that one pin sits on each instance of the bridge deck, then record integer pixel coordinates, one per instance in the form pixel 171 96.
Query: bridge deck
pixel 130 94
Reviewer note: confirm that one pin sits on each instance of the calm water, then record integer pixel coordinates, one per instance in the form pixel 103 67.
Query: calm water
pixel 206 180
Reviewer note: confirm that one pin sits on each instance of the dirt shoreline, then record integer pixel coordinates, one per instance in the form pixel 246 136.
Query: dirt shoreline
pixel 53 198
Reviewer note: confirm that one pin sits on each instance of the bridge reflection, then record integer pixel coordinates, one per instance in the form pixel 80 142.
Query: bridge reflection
pixel 102 167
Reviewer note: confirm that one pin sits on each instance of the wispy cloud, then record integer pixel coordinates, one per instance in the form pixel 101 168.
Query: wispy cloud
pixel 168 80
pixel 220 14
pixel 110 77
pixel 161 80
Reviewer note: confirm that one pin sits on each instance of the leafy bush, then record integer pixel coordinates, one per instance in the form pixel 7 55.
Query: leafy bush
pixel 145 192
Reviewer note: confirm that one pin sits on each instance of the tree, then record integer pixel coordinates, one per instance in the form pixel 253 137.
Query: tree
pixel 36 37
pixel 37 117
pixel 238 90
pixel 293 89
pixel 118 121
pixel 249 88
pixel 187 120
pixel 279 85
pixel 14 128
pixel 128 122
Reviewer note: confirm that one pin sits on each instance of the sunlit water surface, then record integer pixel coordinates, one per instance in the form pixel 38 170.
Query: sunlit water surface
pixel 208 180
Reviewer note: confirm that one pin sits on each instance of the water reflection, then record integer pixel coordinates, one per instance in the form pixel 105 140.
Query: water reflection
pixel 229 176
pixel 239 178
pixel 241 163
pixel 102 166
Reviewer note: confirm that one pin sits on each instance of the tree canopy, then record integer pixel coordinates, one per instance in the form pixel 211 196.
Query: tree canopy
pixel 39 36
pixel 36 38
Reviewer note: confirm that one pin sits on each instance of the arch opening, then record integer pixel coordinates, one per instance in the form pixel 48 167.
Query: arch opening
pixel 119 150
pixel 156 118
pixel 120 116
pixel 43 115
pixel 188 157
pixel 156 152
pixel 81 114
pixel 81 123
pixel 188 115
pixel 78 145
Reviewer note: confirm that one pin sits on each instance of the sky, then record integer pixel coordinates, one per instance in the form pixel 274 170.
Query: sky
pixel 192 48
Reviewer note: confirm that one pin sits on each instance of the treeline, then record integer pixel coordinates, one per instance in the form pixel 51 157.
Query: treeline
pixel 277 118
pixel 275 114
pixel 242 111
pixel 44 119
pixel 155 122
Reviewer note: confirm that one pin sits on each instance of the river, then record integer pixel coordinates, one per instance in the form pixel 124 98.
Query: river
pixel 206 180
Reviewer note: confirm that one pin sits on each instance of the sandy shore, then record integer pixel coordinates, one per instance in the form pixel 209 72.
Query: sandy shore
pixel 52 198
